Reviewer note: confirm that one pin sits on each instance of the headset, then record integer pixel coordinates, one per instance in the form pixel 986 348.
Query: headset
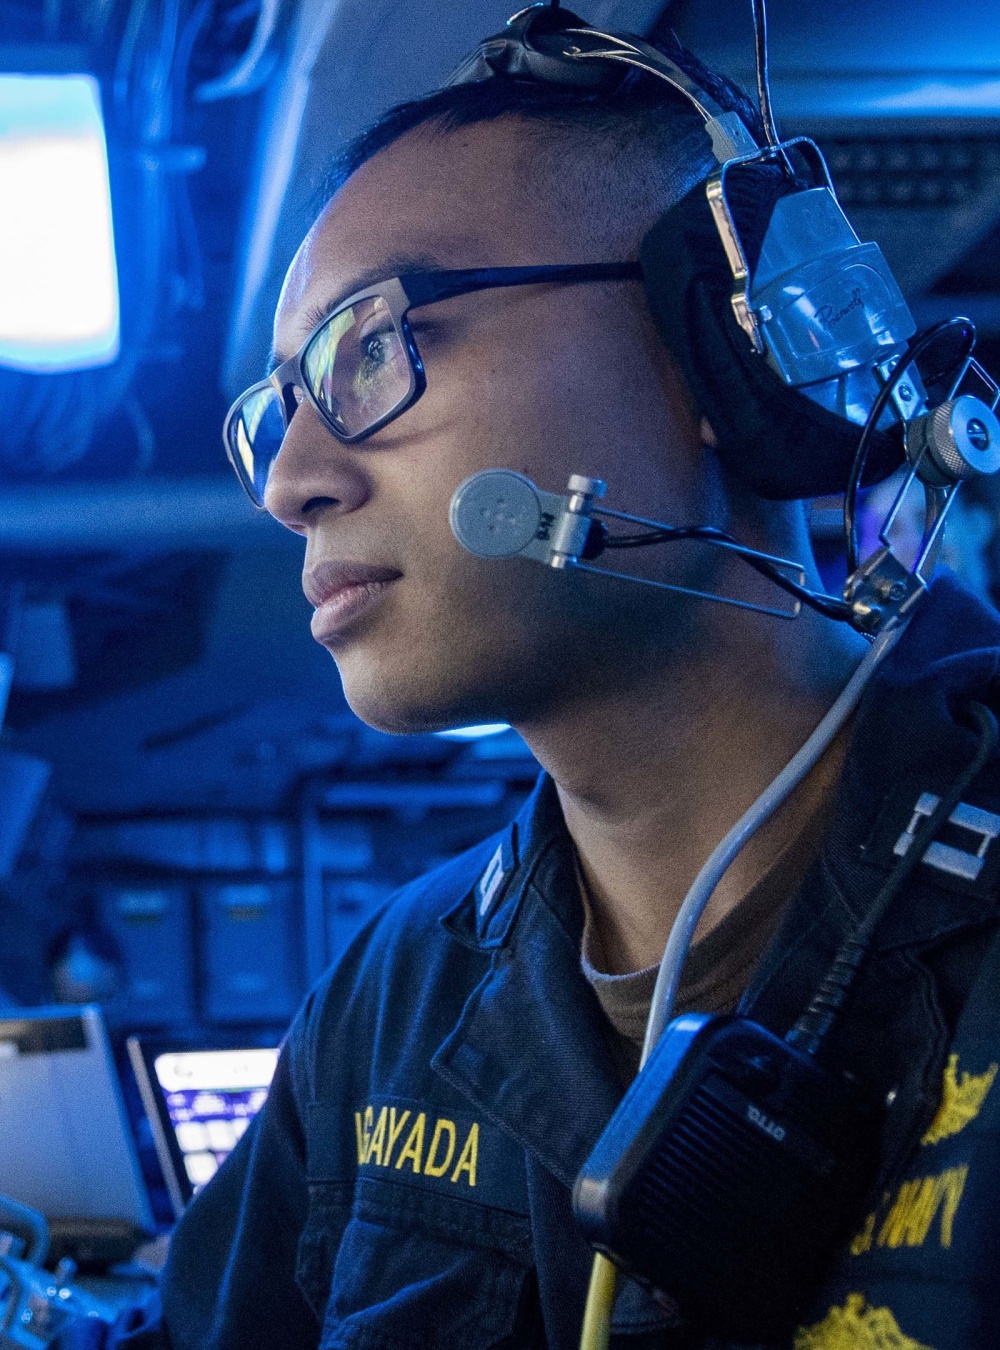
pixel 791 333
pixel 738 1160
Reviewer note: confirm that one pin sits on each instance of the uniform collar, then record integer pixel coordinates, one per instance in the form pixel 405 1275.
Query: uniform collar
pixel 530 1049
pixel 485 915
pixel 912 736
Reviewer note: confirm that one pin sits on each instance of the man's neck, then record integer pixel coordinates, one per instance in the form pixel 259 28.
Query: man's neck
pixel 653 773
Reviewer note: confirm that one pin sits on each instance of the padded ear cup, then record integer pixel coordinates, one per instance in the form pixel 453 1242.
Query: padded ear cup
pixel 775 440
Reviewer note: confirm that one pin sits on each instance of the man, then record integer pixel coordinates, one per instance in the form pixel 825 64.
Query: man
pixel 408 1182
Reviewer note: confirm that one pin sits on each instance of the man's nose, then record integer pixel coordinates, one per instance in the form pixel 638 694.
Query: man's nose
pixel 313 473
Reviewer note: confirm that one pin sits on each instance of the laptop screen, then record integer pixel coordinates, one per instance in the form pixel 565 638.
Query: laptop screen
pixel 203 1101
pixel 66 1147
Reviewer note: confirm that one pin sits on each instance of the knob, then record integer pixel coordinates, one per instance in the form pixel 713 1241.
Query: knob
pixel 959 439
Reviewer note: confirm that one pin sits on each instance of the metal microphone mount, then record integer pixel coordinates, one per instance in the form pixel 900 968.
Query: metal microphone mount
pixel 946 446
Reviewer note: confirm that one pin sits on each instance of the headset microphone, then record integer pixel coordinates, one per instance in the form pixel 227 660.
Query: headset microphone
pixel 499 514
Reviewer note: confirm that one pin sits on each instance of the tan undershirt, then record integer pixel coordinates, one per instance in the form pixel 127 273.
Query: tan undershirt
pixel 719 966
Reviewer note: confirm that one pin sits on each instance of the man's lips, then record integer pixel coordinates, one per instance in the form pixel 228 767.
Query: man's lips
pixel 342 592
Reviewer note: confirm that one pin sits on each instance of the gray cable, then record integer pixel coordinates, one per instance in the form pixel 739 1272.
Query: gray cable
pixel 679 942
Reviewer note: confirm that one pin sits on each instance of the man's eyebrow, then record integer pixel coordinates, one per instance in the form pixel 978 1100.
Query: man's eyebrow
pixel 396 265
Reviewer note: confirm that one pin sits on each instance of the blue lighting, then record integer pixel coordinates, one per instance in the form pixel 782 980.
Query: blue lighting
pixel 474 733
pixel 58 278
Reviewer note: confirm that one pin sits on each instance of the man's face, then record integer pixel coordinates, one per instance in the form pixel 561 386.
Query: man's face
pixel 547 380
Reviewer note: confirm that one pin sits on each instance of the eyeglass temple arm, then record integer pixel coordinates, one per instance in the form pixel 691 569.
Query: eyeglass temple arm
pixel 423 287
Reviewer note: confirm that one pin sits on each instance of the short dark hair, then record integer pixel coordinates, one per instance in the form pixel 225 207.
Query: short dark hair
pixel 636 101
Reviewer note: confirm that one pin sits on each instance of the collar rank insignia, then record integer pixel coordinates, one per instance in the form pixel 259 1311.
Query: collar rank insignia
pixel 973 832
pixel 490 882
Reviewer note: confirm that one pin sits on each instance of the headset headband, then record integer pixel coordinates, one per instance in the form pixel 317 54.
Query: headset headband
pixel 556 46
pixel 784 324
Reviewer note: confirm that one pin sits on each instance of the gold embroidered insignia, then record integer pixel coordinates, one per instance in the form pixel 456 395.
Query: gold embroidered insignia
pixel 856 1327
pixel 961 1100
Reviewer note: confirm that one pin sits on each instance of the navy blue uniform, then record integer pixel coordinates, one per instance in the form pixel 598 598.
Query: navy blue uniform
pixel 408 1181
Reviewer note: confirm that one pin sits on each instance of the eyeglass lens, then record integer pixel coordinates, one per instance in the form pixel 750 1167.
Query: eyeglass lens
pixel 255 436
pixel 356 367
pixel 357 370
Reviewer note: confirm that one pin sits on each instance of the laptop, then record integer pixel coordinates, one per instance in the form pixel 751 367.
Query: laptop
pixel 199 1102
pixel 66 1145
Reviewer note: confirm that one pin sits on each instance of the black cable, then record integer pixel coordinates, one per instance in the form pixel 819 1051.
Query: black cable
pixel 827 605
pixel 763 84
pixel 825 1006
pixel 771 137
pixel 913 353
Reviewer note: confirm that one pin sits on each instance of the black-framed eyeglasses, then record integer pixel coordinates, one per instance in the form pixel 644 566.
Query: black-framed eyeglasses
pixel 360 367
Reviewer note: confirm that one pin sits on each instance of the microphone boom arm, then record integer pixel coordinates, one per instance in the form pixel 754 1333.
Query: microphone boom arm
pixel 499 513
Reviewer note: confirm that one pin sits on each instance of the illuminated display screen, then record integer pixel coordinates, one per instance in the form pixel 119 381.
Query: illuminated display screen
pixel 58 278
pixel 212 1096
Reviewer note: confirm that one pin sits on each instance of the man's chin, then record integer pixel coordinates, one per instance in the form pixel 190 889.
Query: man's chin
pixel 410 712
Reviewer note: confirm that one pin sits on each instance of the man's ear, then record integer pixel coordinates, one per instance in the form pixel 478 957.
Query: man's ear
pixel 707 434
